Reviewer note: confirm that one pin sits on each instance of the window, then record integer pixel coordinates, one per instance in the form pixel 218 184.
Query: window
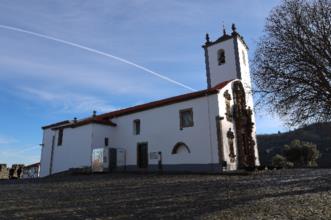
pixel 186 118
pixel 60 137
pixel 221 57
pixel 136 127
pixel 106 141
pixel 180 148
pixel 244 57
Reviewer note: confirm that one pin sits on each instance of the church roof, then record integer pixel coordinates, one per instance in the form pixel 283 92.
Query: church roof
pixel 105 118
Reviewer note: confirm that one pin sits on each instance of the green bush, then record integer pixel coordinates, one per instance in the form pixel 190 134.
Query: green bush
pixel 301 154
pixel 279 161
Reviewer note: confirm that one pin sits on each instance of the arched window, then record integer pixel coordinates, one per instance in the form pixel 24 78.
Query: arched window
pixel 221 57
pixel 180 147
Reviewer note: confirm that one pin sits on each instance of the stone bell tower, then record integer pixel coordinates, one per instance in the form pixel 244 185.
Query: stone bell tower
pixel 226 59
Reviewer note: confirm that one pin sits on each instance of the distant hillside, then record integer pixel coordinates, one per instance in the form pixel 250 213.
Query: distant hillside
pixel 319 134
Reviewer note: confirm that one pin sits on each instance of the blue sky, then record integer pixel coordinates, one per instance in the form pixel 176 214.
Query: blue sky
pixel 43 81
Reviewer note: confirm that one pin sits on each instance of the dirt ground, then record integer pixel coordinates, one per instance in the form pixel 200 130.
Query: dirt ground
pixel 281 194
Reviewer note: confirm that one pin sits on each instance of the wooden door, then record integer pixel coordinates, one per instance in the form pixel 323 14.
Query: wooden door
pixel 142 155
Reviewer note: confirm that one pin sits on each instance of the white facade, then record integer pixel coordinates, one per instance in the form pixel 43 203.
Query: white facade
pixel 203 147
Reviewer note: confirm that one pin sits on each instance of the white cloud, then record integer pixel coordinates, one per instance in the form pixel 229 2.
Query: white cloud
pixel 68 102
pixel 4 140
pixel 119 80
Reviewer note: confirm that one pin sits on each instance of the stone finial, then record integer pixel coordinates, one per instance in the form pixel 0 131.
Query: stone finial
pixel 224 31
pixel 207 38
pixel 94 113
pixel 234 28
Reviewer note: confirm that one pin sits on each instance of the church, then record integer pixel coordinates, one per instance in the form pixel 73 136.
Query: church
pixel 212 130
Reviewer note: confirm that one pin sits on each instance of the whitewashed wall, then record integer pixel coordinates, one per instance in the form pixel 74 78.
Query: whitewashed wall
pixel 75 150
pixel 160 127
pixel 99 133
pixel 46 152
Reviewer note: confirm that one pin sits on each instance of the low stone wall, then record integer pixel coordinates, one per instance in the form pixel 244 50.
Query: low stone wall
pixel 4 171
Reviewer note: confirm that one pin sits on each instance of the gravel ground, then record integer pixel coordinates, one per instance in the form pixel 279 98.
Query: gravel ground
pixel 281 194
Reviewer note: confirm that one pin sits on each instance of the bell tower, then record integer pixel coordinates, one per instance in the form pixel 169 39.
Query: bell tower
pixel 227 58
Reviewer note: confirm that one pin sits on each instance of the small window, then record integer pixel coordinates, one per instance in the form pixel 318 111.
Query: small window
pixel 186 118
pixel 60 137
pixel 106 141
pixel 221 57
pixel 244 57
pixel 180 148
pixel 136 127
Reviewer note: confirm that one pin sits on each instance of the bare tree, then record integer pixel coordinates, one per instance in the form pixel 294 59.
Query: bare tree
pixel 292 63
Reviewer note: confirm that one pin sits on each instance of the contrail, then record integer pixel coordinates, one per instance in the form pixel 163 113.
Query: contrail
pixel 97 52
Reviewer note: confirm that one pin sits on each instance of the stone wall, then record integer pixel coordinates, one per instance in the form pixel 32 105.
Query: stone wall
pixel 3 171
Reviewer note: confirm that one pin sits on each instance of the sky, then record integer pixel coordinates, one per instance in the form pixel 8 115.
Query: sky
pixel 44 81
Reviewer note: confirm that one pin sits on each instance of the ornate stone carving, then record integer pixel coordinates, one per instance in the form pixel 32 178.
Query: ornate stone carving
pixel 227 95
pixel 228 111
pixel 244 127
pixel 230 136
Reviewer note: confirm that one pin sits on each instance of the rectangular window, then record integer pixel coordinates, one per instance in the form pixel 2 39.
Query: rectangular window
pixel 60 137
pixel 136 127
pixel 186 118
pixel 106 141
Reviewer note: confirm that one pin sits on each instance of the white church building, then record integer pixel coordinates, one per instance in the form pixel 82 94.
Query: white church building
pixel 211 130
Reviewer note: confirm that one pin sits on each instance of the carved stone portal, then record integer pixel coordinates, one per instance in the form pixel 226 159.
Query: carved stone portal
pixel 244 127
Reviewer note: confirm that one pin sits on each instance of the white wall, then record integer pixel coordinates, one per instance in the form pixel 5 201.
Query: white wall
pixel 75 150
pixel 46 152
pixel 160 127
pixel 226 71
pixel 100 132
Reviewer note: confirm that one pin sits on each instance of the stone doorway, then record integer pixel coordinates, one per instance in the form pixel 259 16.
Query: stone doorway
pixel 244 128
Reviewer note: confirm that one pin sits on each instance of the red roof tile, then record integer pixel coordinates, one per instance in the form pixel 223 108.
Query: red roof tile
pixel 56 124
